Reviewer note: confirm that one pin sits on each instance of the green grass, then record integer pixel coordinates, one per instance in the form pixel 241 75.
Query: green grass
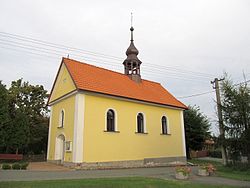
pixel 137 182
pixel 226 172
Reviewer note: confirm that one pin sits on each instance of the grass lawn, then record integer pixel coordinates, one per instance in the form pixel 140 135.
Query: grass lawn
pixel 137 182
pixel 226 172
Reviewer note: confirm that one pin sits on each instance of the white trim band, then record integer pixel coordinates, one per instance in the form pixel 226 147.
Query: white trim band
pixel 183 133
pixel 50 124
pixel 78 128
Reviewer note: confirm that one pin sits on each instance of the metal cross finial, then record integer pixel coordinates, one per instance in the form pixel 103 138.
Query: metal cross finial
pixel 131 28
pixel 131 19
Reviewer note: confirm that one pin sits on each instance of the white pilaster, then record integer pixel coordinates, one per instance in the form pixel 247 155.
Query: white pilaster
pixel 183 133
pixel 50 124
pixel 78 128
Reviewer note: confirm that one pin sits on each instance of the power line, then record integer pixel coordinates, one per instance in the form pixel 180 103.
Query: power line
pixel 32 47
pixel 73 49
pixel 23 45
pixel 207 92
pixel 41 42
pixel 99 61
pixel 158 69
pixel 56 56
pixel 195 95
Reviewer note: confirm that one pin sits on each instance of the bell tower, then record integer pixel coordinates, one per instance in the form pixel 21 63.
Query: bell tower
pixel 132 63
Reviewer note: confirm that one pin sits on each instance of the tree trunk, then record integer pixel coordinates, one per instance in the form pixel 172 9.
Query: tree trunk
pixel 224 155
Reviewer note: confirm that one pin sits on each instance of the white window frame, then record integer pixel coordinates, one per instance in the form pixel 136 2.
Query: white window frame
pixel 144 123
pixel 168 125
pixel 116 120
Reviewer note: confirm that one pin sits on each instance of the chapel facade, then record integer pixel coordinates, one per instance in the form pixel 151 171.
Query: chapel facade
pixel 102 118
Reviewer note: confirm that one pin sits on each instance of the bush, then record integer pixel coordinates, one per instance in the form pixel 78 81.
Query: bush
pixel 239 166
pixel 16 166
pixel 215 153
pixel 6 166
pixel 24 166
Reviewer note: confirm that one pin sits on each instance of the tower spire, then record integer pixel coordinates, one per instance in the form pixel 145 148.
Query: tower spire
pixel 131 28
pixel 132 63
pixel 131 19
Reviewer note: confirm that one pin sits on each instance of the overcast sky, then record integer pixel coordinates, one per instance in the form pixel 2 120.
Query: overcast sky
pixel 183 44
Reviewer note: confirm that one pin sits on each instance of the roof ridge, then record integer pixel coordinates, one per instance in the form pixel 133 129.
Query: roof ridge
pixel 106 69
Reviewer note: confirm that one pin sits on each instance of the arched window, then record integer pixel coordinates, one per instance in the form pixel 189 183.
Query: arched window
pixel 110 120
pixel 61 118
pixel 140 123
pixel 164 125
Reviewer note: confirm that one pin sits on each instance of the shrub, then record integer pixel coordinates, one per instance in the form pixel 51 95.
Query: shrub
pixel 238 166
pixel 24 166
pixel 16 166
pixel 215 153
pixel 6 166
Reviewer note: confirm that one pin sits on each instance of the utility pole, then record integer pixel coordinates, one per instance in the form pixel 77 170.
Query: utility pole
pixel 221 126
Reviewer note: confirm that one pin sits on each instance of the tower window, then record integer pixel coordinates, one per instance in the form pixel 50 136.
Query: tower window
pixel 110 120
pixel 140 123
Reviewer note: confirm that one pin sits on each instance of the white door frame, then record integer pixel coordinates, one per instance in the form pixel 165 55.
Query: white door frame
pixel 60 148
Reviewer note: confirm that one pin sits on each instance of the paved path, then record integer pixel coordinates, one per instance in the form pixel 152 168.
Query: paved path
pixel 160 172
pixel 44 166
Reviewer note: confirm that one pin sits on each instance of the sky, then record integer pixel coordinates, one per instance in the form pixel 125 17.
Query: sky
pixel 182 44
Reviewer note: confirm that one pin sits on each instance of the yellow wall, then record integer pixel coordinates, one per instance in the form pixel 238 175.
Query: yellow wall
pixel 64 84
pixel 68 130
pixel 100 146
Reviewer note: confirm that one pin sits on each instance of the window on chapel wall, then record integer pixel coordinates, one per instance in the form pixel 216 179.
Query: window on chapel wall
pixel 110 120
pixel 140 123
pixel 164 125
pixel 61 118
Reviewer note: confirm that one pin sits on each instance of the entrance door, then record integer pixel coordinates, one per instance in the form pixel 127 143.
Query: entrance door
pixel 60 148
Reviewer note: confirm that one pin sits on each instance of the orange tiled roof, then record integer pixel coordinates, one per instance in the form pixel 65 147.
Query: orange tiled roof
pixel 91 78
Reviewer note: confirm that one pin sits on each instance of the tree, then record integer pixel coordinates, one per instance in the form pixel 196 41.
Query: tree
pixel 236 117
pixel 20 132
pixel 39 138
pixel 196 129
pixel 29 102
pixel 23 118
pixel 4 116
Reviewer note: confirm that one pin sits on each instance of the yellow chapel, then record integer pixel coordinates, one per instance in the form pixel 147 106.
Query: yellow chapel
pixel 102 118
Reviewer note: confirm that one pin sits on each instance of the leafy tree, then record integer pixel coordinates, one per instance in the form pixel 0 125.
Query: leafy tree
pixel 4 116
pixel 39 138
pixel 19 138
pixel 27 131
pixel 236 117
pixel 31 99
pixel 196 129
